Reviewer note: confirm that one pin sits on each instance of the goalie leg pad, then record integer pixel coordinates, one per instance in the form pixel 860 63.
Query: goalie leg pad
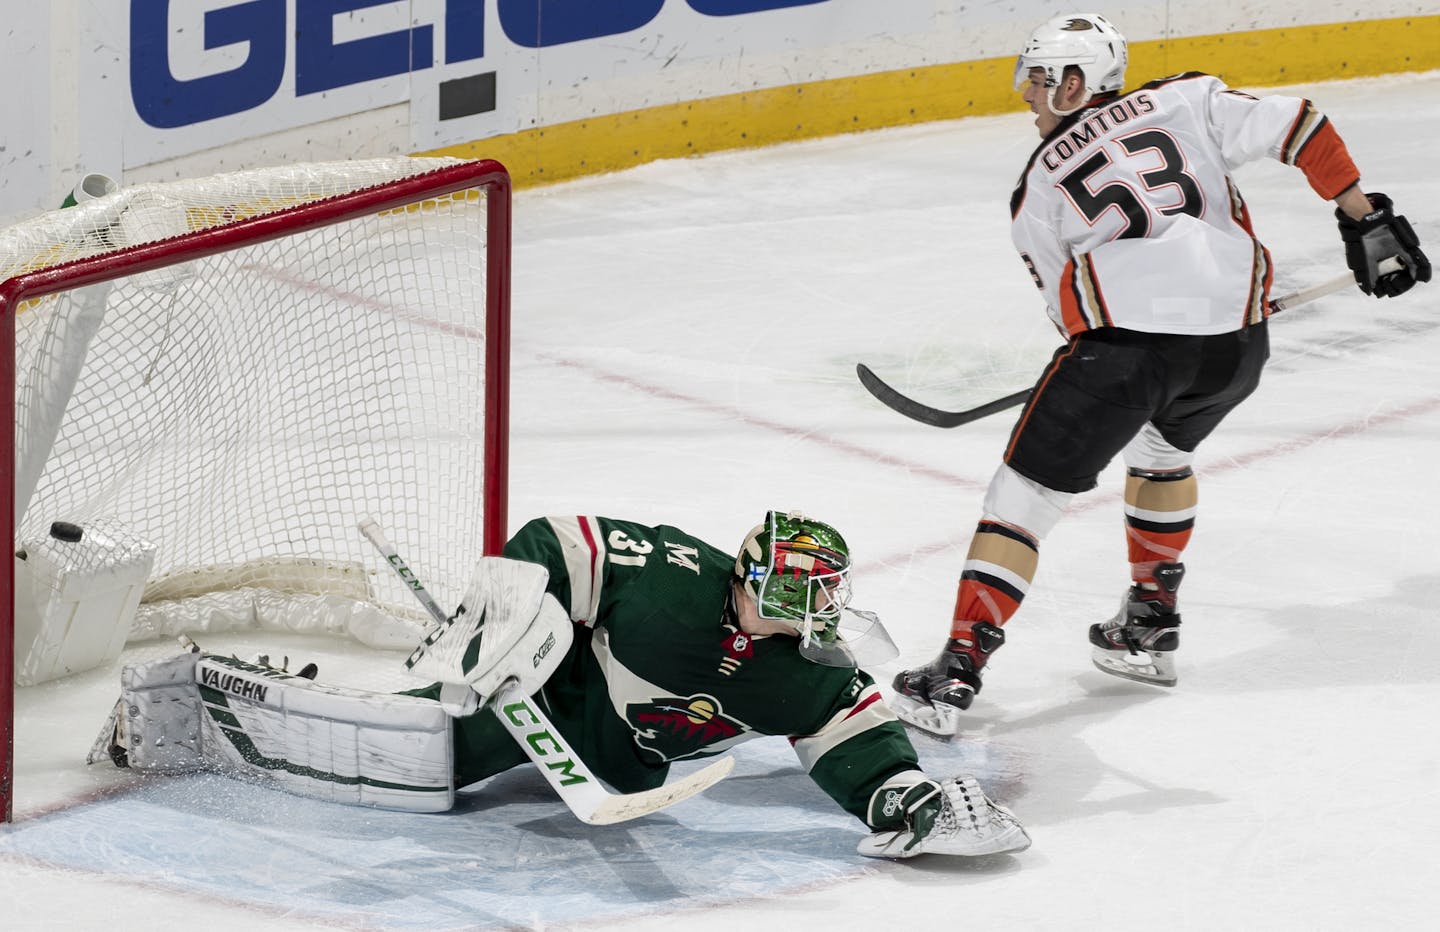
pixel 324 742
pixel 155 725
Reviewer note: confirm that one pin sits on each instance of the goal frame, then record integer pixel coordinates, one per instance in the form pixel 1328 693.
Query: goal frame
pixel 486 174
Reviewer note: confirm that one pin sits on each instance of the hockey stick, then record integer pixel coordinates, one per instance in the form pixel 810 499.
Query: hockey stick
pixel 936 417
pixel 1339 283
pixel 562 768
pixel 926 414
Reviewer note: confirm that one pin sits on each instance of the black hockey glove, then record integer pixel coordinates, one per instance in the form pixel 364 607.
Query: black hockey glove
pixel 1380 235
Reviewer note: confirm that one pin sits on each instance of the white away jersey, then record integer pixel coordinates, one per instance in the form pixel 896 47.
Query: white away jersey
pixel 1127 217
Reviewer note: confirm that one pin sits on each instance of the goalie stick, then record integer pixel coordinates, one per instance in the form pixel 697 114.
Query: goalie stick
pixel 937 417
pixel 562 768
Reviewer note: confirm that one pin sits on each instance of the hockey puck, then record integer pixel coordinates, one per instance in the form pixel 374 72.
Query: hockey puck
pixel 64 530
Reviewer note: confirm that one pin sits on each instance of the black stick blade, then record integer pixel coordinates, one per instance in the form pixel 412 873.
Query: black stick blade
pixel 926 414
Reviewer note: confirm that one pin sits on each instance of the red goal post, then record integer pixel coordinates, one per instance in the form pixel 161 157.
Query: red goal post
pixel 216 379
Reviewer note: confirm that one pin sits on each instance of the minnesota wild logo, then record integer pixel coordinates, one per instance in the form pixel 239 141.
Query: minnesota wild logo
pixel 675 728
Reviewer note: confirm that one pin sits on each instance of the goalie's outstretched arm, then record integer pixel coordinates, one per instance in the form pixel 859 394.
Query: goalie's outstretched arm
pixel 501 645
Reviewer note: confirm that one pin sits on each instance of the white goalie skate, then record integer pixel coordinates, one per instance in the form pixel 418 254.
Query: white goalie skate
pixel 969 824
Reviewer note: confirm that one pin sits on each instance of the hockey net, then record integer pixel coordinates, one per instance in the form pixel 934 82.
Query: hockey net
pixel 215 380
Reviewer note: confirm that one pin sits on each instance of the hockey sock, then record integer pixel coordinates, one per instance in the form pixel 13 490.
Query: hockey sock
pixel 1159 517
pixel 997 574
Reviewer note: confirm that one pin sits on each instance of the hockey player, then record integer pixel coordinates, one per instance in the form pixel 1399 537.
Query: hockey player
pixel 1130 225
pixel 676 650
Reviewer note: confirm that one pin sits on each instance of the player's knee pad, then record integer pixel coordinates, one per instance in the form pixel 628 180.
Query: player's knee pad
pixel 1149 452
pixel 1024 503
pixel 202 712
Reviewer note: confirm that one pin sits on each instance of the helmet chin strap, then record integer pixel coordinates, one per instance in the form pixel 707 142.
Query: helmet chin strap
pixel 1054 106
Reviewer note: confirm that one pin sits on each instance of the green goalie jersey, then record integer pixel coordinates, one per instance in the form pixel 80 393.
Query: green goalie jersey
pixel 660 672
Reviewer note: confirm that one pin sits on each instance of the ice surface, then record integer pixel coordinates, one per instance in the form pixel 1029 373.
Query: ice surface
pixel 684 346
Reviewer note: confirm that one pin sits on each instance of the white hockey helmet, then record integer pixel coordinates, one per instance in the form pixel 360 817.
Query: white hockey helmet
pixel 1085 40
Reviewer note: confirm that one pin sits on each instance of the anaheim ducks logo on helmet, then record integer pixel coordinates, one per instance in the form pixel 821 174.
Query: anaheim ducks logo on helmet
pixel 1085 41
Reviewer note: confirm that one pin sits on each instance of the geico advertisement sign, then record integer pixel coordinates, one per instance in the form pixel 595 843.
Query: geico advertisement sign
pixel 203 72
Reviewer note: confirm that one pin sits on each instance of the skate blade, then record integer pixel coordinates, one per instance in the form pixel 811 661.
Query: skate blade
pixel 941 720
pixel 1154 667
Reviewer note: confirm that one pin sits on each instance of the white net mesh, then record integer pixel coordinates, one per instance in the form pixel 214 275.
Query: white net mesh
pixel 244 411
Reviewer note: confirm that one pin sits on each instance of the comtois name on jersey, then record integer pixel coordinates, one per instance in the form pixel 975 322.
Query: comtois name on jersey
pixel 1075 141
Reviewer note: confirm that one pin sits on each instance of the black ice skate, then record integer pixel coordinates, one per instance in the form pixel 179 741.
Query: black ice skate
pixel 931 697
pixel 1139 643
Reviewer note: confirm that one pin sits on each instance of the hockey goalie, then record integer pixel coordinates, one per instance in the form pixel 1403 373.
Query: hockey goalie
pixel 614 648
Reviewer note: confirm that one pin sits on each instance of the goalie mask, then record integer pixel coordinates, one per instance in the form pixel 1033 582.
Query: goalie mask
pixel 1084 40
pixel 798 572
